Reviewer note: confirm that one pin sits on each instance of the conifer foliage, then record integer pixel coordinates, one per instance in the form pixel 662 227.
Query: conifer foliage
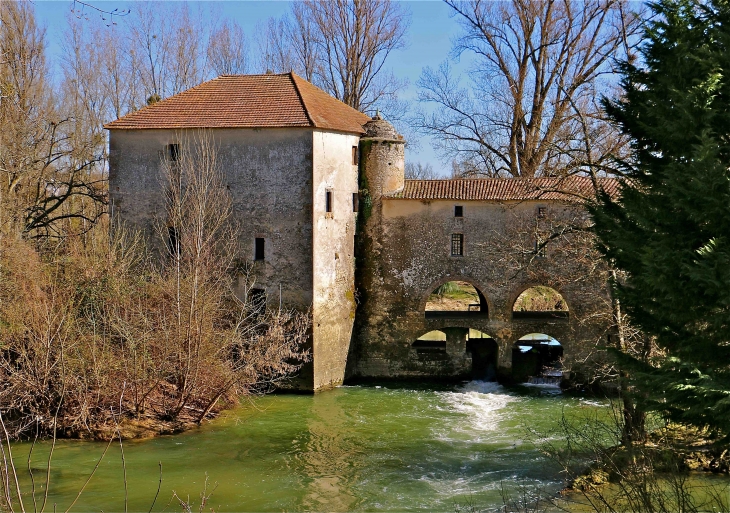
pixel 670 230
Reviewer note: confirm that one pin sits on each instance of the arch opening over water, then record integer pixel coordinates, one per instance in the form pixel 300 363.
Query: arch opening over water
pixel 537 358
pixel 431 342
pixel 484 355
pixel 456 299
pixel 540 302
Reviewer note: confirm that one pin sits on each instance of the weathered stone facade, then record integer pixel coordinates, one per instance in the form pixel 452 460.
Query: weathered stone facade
pixel 278 179
pixel 407 256
pixel 367 275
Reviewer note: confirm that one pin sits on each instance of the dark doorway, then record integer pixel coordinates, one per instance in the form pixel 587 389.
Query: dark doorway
pixel 257 300
pixel 484 352
pixel 536 358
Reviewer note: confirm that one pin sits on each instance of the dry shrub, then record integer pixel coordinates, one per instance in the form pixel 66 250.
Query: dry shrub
pixel 98 330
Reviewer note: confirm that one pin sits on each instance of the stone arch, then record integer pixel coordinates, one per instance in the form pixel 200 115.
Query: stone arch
pixel 546 353
pixel 484 300
pixel 546 314
pixel 433 341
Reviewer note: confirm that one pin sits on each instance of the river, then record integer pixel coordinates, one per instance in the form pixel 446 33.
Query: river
pixel 381 447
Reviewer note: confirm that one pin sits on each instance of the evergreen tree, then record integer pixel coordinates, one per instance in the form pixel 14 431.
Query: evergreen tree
pixel 670 229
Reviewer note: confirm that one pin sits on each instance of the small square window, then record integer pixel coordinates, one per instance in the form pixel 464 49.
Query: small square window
pixel 457 244
pixel 328 201
pixel 355 202
pixel 541 212
pixel 173 152
pixel 354 156
pixel 258 251
pixel 458 211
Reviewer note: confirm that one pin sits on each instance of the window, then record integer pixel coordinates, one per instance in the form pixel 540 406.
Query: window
pixel 257 299
pixel 173 242
pixel 328 202
pixel 354 156
pixel 173 152
pixel 541 212
pixel 457 244
pixel 258 251
pixel 540 249
pixel 355 202
pixel 458 211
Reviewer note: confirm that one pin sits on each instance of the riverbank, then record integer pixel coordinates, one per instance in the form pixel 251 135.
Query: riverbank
pixel 381 447
pixel 378 447
pixel 671 453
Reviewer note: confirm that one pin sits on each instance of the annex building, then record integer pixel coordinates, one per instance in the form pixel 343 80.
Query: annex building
pixel 329 224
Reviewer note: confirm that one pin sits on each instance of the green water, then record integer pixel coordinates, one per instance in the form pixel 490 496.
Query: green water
pixel 360 448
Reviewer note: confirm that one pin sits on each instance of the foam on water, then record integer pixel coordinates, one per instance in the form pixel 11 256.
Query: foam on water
pixel 545 388
pixel 481 402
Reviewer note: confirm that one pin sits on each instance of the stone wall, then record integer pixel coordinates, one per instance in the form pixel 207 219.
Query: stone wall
pixel 269 176
pixel 279 179
pixel 414 258
pixel 333 305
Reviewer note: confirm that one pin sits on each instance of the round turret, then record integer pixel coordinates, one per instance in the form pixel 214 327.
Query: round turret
pixel 379 128
pixel 383 152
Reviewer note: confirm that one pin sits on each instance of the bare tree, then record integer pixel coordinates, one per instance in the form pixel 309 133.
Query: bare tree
pixel 167 48
pixel 227 50
pixel 420 171
pixel 341 46
pixel 538 67
pixel 354 39
pixel 275 49
pixel 50 167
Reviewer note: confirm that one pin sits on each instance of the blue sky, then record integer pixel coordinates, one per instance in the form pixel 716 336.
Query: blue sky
pixel 429 41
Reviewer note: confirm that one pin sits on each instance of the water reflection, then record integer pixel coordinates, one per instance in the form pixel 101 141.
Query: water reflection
pixel 328 457
pixel 375 448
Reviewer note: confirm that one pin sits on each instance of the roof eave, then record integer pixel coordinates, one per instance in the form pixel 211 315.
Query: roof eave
pixel 109 126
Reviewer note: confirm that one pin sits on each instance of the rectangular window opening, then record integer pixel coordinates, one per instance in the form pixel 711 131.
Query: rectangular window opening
pixel 258 252
pixel 355 202
pixel 354 156
pixel 173 152
pixel 328 202
pixel 257 299
pixel 540 249
pixel 173 242
pixel 457 244
pixel 541 212
pixel 458 211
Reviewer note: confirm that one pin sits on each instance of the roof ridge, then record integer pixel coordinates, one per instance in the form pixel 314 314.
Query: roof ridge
pixel 292 76
pixel 252 75
pixel 569 189
pixel 162 101
pixel 247 101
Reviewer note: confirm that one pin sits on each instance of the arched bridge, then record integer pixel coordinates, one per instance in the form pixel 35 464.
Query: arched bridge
pixel 410 324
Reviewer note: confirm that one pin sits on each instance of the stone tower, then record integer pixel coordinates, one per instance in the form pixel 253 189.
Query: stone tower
pixel 382 173
pixel 383 161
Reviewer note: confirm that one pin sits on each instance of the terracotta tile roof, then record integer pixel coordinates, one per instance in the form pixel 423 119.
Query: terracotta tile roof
pixel 247 101
pixel 572 188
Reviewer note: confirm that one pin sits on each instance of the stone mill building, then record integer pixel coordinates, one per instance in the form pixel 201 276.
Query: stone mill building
pixel 329 224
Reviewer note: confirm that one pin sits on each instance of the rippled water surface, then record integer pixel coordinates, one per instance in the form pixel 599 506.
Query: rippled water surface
pixel 359 448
